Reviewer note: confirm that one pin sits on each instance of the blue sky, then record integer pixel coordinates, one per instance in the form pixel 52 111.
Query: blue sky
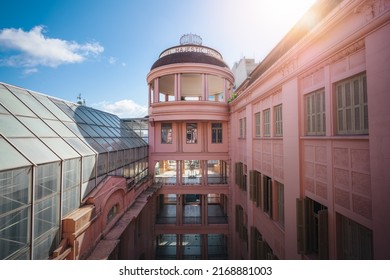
pixel 103 49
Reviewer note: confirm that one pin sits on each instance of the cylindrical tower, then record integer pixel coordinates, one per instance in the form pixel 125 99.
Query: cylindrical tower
pixel 189 86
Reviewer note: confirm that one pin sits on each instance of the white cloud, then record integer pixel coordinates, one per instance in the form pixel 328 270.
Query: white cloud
pixel 29 71
pixel 112 60
pixel 126 108
pixel 35 49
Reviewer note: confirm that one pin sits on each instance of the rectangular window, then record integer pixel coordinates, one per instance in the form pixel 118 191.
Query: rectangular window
pixel 278 120
pixel 312 228
pixel 242 124
pixel 192 133
pixel 267 122
pixel 166 133
pixel 267 195
pixel 257 124
pixel 351 106
pixel 356 240
pixel 315 112
pixel 280 190
pixel 241 176
pixel 255 187
pixel 216 133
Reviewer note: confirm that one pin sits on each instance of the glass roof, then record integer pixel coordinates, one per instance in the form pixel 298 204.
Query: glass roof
pixel 14 158
pixel 37 129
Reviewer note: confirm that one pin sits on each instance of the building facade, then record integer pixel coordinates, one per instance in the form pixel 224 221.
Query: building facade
pixel 309 136
pixel 189 150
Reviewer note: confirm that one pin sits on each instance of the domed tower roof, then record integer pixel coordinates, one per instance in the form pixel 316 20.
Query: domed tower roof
pixel 190 50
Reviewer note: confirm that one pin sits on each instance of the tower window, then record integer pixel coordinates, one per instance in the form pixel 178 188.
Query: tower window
pixel 216 133
pixel 166 133
pixel 192 133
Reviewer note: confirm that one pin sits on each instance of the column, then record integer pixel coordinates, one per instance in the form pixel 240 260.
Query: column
pixel 176 87
pixel 205 94
pixel 156 90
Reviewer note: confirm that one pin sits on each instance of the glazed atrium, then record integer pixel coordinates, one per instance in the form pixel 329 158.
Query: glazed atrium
pixel 54 154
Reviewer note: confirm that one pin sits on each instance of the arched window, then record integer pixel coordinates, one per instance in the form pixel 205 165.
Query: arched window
pixel 112 213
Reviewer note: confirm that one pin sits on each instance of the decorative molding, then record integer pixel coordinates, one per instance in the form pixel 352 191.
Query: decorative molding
pixel 372 8
pixel 347 51
pixel 289 67
pixel 353 48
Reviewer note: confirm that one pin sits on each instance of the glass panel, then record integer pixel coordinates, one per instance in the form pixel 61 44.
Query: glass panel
pixel 94 145
pixel 38 127
pixel 99 131
pixel 98 118
pixel 79 146
pixel 87 112
pixel 46 244
pixel 112 161
pixel 91 132
pixel 3 110
pixel 69 112
pixel 79 116
pixel 14 232
pixel 76 129
pixel 87 187
pixel 46 216
pixel 51 107
pixel 32 103
pixel 88 168
pixel 60 147
pixel 15 188
pixel 71 173
pixel 47 180
pixel 120 143
pixel 99 144
pixel 102 164
pixel 70 200
pixel 71 185
pixel 108 119
pixel 11 127
pixel 108 131
pixel 13 158
pixel 39 154
pixel 60 128
pixel 9 101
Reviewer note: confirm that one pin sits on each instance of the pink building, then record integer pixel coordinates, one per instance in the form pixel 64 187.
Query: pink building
pixel 189 150
pixel 297 160
pixel 310 140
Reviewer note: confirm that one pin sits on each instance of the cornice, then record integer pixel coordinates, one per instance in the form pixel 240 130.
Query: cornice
pixel 370 9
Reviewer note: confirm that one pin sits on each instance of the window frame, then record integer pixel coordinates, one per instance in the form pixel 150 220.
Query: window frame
pixel 166 128
pixel 242 128
pixel 267 123
pixel 315 115
pixel 345 93
pixel 191 133
pixel 278 120
pixel 216 133
pixel 257 124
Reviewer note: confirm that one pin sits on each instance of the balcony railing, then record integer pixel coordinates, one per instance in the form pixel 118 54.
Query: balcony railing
pixel 192 180
pixel 219 180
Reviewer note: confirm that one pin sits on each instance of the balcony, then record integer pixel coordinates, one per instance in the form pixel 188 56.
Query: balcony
pixel 189 110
